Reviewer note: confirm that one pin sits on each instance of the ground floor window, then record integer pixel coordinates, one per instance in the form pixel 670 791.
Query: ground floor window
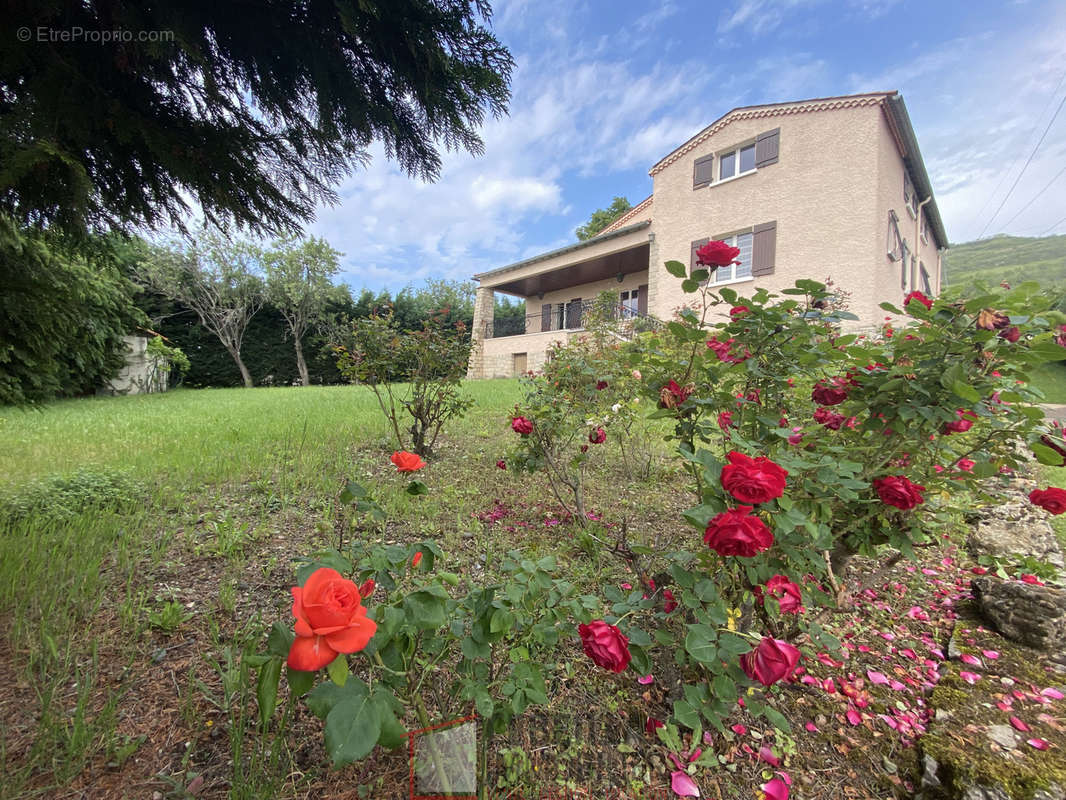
pixel 630 302
pixel 736 271
pixel 520 364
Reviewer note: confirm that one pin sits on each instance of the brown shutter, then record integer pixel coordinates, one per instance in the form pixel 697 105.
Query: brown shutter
pixel 642 299
pixel 546 317
pixel 763 249
pixel 766 148
pixel 696 245
pixel 702 171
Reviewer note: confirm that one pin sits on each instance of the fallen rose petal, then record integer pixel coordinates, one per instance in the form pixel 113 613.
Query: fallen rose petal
pixel 776 789
pixel 811 727
pixel 972 660
pixel 854 717
pixel 738 729
pixel 991 654
pixel 1054 694
pixel 695 754
pixel 1019 724
pixel 684 786
pixel 644 680
pixel 877 678
pixel 970 677
pixel 1004 705
pixel 1039 744
pixel 767 755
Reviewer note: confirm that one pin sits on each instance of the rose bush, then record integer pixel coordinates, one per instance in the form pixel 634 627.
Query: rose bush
pixel 330 620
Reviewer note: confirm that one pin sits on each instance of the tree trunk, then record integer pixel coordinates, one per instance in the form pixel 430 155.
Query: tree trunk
pixel 301 365
pixel 246 376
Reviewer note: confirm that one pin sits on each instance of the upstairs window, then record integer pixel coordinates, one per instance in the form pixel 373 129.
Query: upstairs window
pixel 910 197
pixel 736 162
pixel 924 275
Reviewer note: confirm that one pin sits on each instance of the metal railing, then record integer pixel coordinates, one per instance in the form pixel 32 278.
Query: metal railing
pixel 569 317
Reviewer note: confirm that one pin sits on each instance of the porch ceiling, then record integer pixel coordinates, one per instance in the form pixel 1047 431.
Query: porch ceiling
pixel 626 262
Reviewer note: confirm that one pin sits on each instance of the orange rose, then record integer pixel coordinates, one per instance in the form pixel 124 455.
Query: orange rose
pixel 330 619
pixel 407 462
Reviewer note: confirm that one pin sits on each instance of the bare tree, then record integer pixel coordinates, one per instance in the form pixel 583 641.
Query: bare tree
pixel 298 273
pixel 215 276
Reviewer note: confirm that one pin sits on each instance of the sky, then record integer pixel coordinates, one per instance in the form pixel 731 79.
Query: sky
pixel 603 90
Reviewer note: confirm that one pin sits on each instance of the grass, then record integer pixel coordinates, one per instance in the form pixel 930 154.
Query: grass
pixel 1050 378
pixel 1007 258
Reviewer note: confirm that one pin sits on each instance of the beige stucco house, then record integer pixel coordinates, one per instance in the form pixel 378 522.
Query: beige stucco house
pixel 827 188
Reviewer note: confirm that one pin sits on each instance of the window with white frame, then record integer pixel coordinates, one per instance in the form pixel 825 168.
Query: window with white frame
pixel 905 269
pixel 736 272
pixel 924 276
pixel 630 302
pixel 910 197
pixel 923 226
pixel 736 162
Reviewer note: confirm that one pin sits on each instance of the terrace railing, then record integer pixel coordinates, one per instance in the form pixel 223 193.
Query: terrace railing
pixel 569 317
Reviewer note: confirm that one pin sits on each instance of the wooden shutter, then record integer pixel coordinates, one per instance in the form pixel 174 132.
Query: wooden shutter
pixel 546 317
pixel 702 171
pixel 642 299
pixel 763 249
pixel 696 245
pixel 766 148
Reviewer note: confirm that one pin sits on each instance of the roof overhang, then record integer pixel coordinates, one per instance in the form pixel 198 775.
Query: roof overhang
pixel 587 258
pixel 900 121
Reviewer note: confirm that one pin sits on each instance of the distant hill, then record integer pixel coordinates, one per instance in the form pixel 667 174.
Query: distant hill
pixel 1007 258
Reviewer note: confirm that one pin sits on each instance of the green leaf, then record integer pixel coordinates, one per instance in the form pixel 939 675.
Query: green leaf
pixel 686 714
pixel 323 698
pixel 280 640
pixel 641 663
pixel 700 643
pixel 965 391
pixel 338 670
pixel 1045 455
pixel 776 718
pixel 266 691
pixel 415 488
pixel 353 726
pixel 724 689
pixel 677 269
pixel 700 275
pixel 689 285
pixel 300 682
pixel 891 308
pixel 425 610
pixel 353 491
pixel 502 620
pixel 728 295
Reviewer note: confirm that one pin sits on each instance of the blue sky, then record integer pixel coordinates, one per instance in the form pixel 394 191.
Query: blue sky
pixel 602 90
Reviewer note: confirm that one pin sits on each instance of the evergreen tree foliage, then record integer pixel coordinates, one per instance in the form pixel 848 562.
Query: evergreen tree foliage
pixel 602 217
pixel 254 111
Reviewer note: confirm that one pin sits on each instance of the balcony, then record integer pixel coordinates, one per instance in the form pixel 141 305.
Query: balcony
pixel 570 317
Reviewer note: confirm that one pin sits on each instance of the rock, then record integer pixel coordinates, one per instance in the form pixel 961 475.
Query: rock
pixel 929 771
pixel 1003 735
pixel 1032 615
pixel 1016 528
pixel 980 792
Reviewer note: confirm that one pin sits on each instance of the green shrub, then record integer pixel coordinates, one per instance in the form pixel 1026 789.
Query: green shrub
pixel 65 496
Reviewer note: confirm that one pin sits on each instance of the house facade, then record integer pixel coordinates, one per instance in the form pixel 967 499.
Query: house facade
pixel 832 188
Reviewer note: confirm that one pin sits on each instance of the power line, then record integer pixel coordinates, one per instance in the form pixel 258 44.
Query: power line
pixel 1014 163
pixel 1048 230
pixel 1033 200
pixel 1025 166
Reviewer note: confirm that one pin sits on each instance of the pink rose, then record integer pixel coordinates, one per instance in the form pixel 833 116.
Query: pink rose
pixel 607 646
pixel 771 661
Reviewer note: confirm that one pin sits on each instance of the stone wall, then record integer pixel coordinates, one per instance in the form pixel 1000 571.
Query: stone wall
pixel 142 374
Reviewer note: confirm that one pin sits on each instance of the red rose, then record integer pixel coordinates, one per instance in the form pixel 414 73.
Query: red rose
pixel 921 298
pixel 330 619
pixel 522 425
pixel 651 725
pixel 1011 334
pixel 669 601
pixel 830 394
pixel 717 254
pixel 501 464
pixel 830 419
pixel 737 311
pixel 753 480
pixel 598 436
pixel 601 385
pixel 1031 579
pixel 897 491
pixel 725 420
pixel 416 559
pixel 787 593
pixel 607 646
pixel 407 462
pixel 962 424
pixel 735 533
pixel 1060 337
pixel 1051 499
pixel 771 661
pixel 367 589
pixel 724 351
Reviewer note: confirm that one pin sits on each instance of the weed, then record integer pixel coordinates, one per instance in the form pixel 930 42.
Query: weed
pixel 168 617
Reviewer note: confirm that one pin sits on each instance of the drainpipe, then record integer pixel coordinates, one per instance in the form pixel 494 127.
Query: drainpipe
pixel 918 240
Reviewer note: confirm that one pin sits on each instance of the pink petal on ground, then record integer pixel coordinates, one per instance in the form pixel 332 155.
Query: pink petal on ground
pixel 972 660
pixel 811 727
pixel 676 760
pixel 854 717
pixel 767 755
pixel 896 686
pixel 738 729
pixel 1054 694
pixel 877 677
pixel 776 789
pixel 1018 724
pixel 644 680
pixel 990 654
pixel 829 686
pixel 1003 706
pixel 917 612
pixel 1039 744
pixel 695 754
pixel 969 677
pixel 906 652
pixel 683 785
